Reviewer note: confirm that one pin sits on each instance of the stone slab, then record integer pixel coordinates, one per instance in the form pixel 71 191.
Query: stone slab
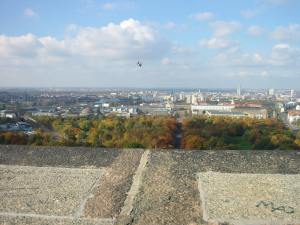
pixel 23 219
pixel 250 198
pixel 46 191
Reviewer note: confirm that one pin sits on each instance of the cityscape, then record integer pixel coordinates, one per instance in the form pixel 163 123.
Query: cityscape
pixel 21 105
pixel 27 114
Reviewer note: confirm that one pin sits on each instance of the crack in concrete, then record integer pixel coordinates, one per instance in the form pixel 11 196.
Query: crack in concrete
pixel 80 211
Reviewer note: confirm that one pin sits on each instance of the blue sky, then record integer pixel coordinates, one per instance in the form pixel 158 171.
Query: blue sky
pixel 198 43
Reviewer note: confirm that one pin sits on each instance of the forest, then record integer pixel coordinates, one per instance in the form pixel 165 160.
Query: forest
pixel 199 133
pixel 240 134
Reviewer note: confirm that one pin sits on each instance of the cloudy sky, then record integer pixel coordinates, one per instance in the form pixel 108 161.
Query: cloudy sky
pixel 191 44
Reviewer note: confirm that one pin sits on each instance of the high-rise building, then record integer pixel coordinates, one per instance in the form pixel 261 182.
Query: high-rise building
pixel 292 93
pixel 195 99
pixel 271 91
pixel 238 90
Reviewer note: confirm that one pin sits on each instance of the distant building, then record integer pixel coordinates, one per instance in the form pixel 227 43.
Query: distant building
pixel 181 96
pixel 238 90
pixel 105 105
pixel 45 111
pixel 194 99
pixel 293 115
pixel 169 105
pixel 271 91
pixel 225 114
pixel 156 110
pixel 16 127
pixel 252 112
pixel 8 114
pixel 121 114
pixel 292 93
pixel 200 109
pixel 133 110
pixel 188 99
pixel 87 112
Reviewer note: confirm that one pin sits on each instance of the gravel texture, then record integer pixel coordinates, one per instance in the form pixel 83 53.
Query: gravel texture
pixel 45 190
pixel 250 198
pixel 57 156
pixel 24 220
pixel 110 195
pixel 168 192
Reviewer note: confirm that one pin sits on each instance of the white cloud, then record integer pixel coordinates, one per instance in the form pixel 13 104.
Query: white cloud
pixel 224 28
pixel 109 6
pixel 255 31
pixel 261 6
pixel 257 58
pixel 71 28
pixel 23 46
pixel 170 25
pixel 166 61
pixel 118 5
pixel 281 55
pixel 218 43
pixel 30 12
pixel 248 14
pixel 284 55
pixel 281 46
pixel 203 16
pixel 289 33
pixel 264 73
pixel 221 31
pixel 125 41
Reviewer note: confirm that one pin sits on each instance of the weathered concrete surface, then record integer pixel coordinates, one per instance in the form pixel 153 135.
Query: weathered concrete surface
pixel 111 194
pixel 36 220
pixel 169 193
pixel 57 156
pixel 250 198
pixel 167 190
pixel 114 168
pixel 42 190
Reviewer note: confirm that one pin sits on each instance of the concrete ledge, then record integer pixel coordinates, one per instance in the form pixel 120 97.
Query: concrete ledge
pixel 145 187
pixel 46 192
pixel 250 198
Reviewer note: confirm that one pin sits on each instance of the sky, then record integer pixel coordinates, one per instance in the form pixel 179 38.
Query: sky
pixel 182 44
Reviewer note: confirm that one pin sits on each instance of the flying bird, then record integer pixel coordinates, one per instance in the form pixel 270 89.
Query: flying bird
pixel 139 64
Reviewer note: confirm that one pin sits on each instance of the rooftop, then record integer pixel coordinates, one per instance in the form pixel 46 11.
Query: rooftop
pixel 75 185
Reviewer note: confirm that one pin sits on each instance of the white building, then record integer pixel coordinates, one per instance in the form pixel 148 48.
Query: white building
pixel 225 114
pixel 133 110
pixel 194 99
pixel 181 96
pixel 271 91
pixel 199 109
pixel 8 114
pixel 105 105
pixel 238 90
pixel 188 99
pixel 292 93
pixel 293 115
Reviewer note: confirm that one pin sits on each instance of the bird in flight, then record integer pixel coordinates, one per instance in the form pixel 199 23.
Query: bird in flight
pixel 139 64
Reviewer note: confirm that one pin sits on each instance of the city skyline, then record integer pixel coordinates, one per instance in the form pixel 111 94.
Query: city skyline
pixel 89 43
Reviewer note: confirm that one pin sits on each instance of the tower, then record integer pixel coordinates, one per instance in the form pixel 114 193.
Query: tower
pixel 238 90
pixel 292 93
